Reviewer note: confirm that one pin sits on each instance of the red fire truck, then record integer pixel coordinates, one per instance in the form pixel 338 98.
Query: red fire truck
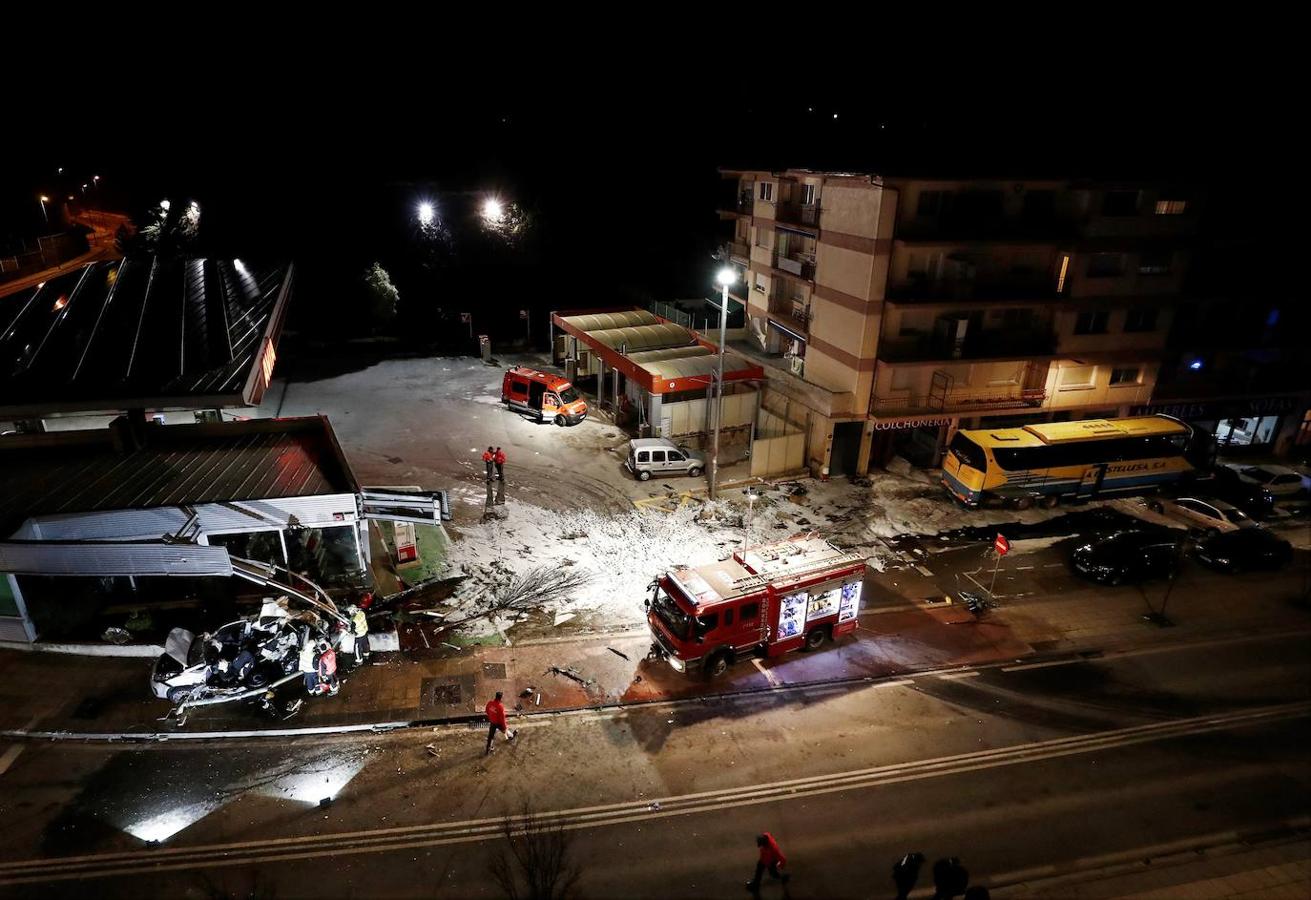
pixel 779 597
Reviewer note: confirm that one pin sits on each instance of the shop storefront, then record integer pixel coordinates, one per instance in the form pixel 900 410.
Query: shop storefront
pixel 917 439
pixel 1247 425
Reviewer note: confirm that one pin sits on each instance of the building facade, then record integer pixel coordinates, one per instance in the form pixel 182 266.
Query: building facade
pixel 893 311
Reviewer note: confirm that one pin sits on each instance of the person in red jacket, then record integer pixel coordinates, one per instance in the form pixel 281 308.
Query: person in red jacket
pixel 500 464
pixel 771 858
pixel 495 711
pixel 488 458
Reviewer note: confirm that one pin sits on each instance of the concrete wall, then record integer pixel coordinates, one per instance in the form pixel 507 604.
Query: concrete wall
pixel 1072 385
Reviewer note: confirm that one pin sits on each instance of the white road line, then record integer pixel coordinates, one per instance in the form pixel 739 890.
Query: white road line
pixel 1043 665
pixel 961 675
pixel 1023 568
pixel 900 683
pixel 9 756
pixel 769 676
pixel 1054 565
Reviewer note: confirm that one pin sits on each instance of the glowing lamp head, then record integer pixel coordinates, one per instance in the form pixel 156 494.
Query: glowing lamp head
pixel 1195 365
pixel 725 277
pixel 164 204
pixel 426 213
pixel 45 199
pixel 492 209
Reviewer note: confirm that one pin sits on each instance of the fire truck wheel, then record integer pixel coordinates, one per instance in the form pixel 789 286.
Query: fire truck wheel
pixel 717 664
pixel 559 420
pixel 644 475
pixel 815 638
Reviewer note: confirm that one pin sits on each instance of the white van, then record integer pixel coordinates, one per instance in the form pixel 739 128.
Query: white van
pixel 658 456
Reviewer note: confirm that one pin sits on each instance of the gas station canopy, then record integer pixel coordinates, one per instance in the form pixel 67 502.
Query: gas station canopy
pixel 661 356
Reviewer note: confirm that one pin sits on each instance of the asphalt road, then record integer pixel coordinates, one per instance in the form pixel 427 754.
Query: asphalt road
pixel 1020 770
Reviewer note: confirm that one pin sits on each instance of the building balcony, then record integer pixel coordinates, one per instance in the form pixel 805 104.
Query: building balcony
pixel 801 265
pixel 744 205
pixel 964 402
pixel 974 345
pixel 791 311
pixel 739 252
pixel 912 290
pixel 802 214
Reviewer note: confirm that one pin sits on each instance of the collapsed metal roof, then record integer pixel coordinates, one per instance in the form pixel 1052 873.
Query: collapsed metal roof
pixel 168 465
pixel 148 333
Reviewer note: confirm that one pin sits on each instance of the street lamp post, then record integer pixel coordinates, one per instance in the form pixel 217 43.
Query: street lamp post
pixel 746 530
pixel 725 277
pixel 43 200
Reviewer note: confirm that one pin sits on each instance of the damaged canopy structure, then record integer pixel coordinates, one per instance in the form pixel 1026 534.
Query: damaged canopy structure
pixel 103 508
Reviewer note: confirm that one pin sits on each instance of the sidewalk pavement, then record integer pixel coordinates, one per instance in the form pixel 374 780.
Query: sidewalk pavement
pixel 901 633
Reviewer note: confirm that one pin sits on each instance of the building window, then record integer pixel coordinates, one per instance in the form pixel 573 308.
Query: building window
pixel 1157 263
pixel 762 237
pixel 1141 319
pixel 1061 273
pixel 760 282
pixel 1039 204
pixel 808 195
pixel 930 203
pixel 903 378
pixel 1130 375
pixel 1171 207
pixel 1076 377
pixel 1105 265
pixel 1120 203
pixel 1091 321
pixel 767 191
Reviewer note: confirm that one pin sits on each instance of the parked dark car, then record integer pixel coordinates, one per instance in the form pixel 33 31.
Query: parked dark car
pixel 1224 484
pixel 1238 551
pixel 1127 556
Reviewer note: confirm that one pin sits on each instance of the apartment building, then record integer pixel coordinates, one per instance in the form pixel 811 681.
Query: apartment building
pixel 892 311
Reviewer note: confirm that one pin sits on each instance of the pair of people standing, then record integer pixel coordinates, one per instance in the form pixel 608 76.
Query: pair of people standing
pixel 495 458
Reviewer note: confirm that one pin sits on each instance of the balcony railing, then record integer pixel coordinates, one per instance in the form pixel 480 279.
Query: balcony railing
pixel 798 214
pixel 962 401
pixel 975 345
pixel 744 205
pixel 739 251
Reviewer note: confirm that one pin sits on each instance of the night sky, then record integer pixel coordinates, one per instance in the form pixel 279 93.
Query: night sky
pixel 617 170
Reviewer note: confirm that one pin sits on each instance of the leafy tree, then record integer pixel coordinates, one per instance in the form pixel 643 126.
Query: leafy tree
pixel 381 296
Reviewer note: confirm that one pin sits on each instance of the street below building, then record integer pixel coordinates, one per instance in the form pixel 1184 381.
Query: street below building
pixel 1028 773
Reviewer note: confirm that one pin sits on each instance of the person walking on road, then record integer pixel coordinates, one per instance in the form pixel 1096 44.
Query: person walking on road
pixel 488 458
pixel 950 878
pixel 500 464
pixel 906 873
pixel 495 711
pixel 771 858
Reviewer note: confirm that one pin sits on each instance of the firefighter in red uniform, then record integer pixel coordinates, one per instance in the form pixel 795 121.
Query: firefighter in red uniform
pixel 500 464
pixel 488 458
pixel 495 711
pixel 771 858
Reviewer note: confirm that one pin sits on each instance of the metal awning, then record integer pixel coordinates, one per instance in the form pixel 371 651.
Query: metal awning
pixel 86 558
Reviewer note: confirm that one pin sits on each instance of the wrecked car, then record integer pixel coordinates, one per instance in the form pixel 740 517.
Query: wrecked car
pixel 273 659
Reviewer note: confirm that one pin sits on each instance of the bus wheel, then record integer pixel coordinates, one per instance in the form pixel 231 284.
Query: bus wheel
pixel 717 664
pixel 1049 502
pixel 815 638
pixel 559 420
pixel 1023 502
pixel 1155 506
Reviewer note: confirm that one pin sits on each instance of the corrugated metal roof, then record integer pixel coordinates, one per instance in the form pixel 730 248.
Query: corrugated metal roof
pixel 645 337
pixel 646 356
pixel 623 319
pixel 118 334
pixel 694 366
pixel 83 471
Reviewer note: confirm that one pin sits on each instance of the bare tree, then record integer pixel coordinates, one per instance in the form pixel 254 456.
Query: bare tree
pixel 534 864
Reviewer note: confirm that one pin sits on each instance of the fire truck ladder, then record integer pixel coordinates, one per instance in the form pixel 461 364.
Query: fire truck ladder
pixel 749 583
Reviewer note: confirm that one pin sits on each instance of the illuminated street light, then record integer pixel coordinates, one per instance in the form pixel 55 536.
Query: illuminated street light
pixel 493 210
pixel 426 213
pixel 43 200
pixel 164 204
pixel 725 277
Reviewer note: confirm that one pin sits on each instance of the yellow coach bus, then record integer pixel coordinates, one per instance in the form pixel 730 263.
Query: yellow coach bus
pixel 1074 460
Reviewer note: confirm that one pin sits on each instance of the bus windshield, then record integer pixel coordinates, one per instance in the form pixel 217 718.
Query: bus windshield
pixel 568 394
pixel 674 618
pixel 969 453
